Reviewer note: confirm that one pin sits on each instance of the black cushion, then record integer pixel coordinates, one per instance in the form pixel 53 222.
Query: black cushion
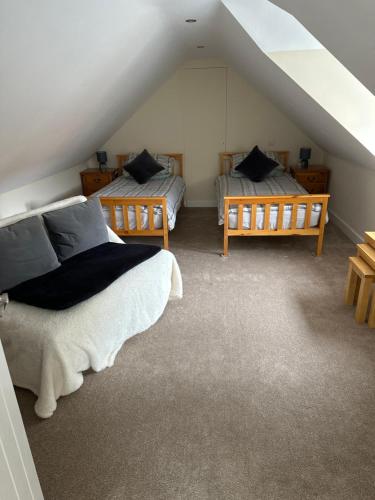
pixel 77 228
pixel 143 167
pixel 25 252
pixel 256 166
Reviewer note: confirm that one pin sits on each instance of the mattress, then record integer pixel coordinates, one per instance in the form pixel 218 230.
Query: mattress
pixel 279 185
pixel 172 187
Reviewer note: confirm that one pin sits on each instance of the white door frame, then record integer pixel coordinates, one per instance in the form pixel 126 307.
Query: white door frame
pixel 18 477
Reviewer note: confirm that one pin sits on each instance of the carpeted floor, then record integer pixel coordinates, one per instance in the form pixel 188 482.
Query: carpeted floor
pixel 257 385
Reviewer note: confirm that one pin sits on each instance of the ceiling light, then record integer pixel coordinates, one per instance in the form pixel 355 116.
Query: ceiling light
pixel 190 20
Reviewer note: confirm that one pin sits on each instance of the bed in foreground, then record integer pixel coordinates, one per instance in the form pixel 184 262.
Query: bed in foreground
pixel 47 350
pixel 276 206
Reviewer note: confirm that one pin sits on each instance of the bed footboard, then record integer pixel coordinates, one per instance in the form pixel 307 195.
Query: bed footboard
pixel 281 201
pixel 138 203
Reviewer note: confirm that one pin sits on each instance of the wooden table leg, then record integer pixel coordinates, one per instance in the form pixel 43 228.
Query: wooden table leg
pixel 351 286
pixel 371 318
pixel 363 298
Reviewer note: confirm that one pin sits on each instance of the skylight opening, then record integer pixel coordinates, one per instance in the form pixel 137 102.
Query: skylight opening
pixel 304 59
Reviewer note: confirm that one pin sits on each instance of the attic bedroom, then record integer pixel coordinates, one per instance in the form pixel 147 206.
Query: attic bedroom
pixel 187 250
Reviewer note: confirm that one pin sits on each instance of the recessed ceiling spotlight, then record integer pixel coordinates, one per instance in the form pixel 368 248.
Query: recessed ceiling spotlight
pixel 201 46
pixel 190 20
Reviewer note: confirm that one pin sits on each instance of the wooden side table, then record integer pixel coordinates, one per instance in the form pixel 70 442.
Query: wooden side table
pixel 314 179
pixel 92 179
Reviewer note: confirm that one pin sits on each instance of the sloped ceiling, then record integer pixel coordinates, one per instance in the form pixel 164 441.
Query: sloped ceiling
pixel 72 72
pixel 345 28
pixel 245 56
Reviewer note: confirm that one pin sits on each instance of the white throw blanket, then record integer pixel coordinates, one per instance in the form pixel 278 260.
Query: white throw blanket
pixel 47 351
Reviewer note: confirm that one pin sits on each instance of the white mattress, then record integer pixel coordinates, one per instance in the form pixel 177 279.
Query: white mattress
pixel 278 185
pixel 172 187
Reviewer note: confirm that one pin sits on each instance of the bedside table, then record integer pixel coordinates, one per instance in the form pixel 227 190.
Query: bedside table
pixel 92 179
pixel 314 178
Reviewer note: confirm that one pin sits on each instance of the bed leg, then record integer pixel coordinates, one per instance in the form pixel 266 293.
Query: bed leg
pixel 165 240
pixel 225 249
pixel 319 246
pixel 165 224
pixel 322 225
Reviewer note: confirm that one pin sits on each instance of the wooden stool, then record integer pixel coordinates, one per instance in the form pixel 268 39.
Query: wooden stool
pixel 359 270
pixel 371 318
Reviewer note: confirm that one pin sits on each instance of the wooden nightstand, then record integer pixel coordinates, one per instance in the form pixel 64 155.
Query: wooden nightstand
pixel 93 179
pixel 314 178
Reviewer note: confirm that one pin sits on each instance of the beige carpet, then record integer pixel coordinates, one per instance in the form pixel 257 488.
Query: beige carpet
pixel 258 385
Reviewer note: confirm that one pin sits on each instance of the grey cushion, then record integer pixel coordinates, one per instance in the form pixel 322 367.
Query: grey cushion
pixel 76 228
pixel 25 252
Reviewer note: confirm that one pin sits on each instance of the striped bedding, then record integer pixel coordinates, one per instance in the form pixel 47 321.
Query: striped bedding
pixel 172 187
pixel 278 185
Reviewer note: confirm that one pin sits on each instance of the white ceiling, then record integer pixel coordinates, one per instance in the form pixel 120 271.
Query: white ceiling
pixel 72 72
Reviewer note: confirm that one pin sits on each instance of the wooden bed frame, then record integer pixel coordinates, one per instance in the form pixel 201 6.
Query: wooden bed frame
pixel 294 200
pixel 150 202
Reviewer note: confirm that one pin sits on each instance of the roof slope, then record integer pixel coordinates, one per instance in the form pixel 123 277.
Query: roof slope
pixel 73 72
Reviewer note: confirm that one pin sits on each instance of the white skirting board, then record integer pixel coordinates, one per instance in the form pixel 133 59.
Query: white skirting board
pixel 345 228
pixel 200 203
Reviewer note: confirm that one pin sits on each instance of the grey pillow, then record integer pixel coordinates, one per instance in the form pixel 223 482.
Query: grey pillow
pixel 76 228
pixel 25 252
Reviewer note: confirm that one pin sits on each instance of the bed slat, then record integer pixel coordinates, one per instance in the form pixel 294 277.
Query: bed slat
pixel 308 215
pixel 293 223
pixel 112 209
pixel 138 217
pixel 240 216
pixel 280 216
pixel 151 223
pixel 267 210
pixel 253 216
pixel 125 216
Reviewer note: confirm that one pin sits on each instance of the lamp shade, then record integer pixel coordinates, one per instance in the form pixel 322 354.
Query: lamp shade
pixel 101 156
pixel 305 153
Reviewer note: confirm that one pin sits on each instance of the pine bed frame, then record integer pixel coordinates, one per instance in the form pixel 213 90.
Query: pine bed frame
pixel 294 200
pixel 138 203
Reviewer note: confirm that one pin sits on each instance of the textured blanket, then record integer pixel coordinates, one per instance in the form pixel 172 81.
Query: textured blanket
pixel 81 276
pixel 47 351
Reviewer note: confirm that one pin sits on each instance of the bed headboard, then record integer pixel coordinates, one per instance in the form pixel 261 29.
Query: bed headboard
pixel 178 168
pixel 226 160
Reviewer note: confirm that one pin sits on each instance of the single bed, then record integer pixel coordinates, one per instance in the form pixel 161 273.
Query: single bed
pixel 47 350
pixel 282 207
pixel 150 209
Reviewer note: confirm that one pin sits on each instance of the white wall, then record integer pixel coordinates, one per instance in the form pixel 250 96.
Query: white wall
pixel 52 188
pixel 164 123
pixel 352 203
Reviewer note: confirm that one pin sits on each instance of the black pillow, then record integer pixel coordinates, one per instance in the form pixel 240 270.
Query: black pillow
pixel 143 167
pixel 256 166
pixel 76 228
